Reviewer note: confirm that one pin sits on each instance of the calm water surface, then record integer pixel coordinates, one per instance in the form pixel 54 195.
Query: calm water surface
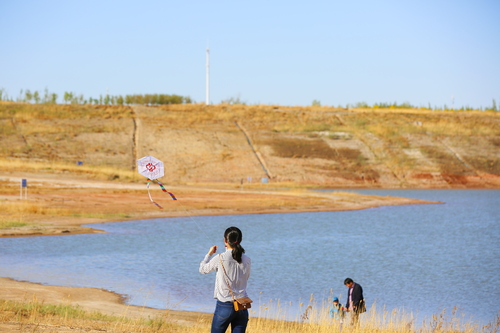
pixel 421 258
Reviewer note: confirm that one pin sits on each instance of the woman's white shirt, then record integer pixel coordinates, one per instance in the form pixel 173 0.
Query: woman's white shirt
pixel 237 274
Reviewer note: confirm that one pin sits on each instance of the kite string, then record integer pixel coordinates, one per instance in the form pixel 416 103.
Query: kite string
pixel 192 219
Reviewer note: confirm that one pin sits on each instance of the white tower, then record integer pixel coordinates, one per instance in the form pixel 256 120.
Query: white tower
pixel 207 97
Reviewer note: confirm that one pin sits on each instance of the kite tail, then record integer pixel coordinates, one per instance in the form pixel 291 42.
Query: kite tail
pixel 158 205
pixel 163 189
pixel 150 198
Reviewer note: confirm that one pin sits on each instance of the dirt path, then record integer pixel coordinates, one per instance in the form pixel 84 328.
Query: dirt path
pixel 61 204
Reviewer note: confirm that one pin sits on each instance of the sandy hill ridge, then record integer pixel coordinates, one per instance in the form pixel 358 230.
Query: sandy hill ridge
pixel 317 146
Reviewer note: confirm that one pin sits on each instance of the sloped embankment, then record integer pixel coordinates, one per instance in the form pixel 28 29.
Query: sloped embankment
pixel 239 144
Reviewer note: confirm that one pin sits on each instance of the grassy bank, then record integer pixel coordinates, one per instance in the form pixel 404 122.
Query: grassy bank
pixel 33 316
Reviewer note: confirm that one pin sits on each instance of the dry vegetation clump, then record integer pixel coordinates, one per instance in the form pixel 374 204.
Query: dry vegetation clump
pixel 448 165
pixel 341 160
pixel 302 148
pixel 484 164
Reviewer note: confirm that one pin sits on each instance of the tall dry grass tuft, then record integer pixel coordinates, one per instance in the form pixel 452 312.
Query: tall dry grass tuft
pixel 315 318
pixel 34 316
pixel 28 207
pixel 15 214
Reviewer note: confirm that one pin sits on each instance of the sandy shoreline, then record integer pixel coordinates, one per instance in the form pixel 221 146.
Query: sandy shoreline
pixel 97 202
pixel 59 205
pixel 89 299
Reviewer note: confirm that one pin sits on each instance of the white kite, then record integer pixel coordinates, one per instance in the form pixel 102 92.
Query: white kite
pixel 152 168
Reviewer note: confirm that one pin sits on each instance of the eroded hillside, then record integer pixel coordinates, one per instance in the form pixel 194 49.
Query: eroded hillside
pixel 236 143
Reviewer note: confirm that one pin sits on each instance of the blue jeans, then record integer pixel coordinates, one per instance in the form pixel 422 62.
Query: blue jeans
pixel 225 314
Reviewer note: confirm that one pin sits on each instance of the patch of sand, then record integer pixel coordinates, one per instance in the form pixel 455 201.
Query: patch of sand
pixel 89 299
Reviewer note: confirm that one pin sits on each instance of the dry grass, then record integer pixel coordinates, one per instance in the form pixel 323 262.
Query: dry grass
pixel 16 214
pixel 99 172
pixel 34 208
pixel 66 133
pixel 38 317
pixel 33 316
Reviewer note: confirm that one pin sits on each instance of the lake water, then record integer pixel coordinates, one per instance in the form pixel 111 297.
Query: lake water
pixel 421 258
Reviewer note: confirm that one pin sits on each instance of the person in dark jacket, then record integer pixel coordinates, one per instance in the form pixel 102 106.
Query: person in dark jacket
pixel 355 300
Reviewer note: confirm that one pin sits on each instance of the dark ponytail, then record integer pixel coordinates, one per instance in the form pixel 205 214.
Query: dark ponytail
pixel 233 237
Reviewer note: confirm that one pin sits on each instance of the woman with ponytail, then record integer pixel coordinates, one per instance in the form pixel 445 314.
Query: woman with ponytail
pixel 232 267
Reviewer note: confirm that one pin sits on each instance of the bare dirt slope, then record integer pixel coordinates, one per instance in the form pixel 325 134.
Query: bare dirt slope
pixel 305 146
pixel 324 147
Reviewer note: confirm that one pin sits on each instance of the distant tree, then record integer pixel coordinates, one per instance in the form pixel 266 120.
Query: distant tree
pixel 234 101
pixel 362 105
pixel 148 99
pixel 316 103
pixel 68 97
pixel 36 97
pixel 20 97
pixel 139 99
pixel 161 99
pixel 46 96
pixel 28 96
pixel 107 99
pixel 4 96
pixel 176 99
pixel 128 99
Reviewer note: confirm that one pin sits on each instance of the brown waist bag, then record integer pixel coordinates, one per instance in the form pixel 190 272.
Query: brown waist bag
pixel 242 303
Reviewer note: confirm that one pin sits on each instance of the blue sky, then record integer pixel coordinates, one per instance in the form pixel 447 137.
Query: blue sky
pixel 263 52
